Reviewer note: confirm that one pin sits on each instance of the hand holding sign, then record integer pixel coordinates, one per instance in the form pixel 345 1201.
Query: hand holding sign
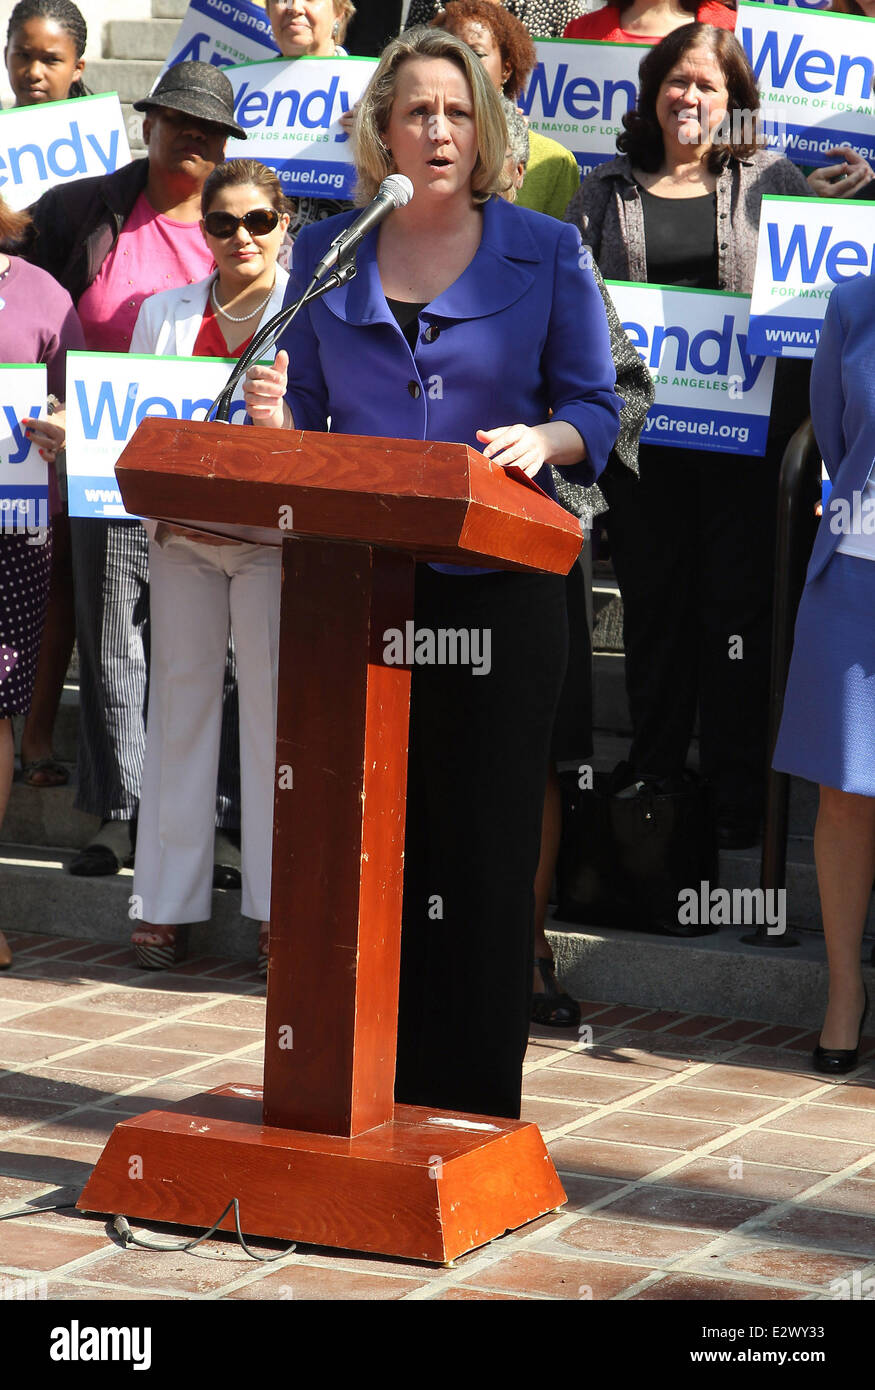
pixel 843 180
pixel 47 435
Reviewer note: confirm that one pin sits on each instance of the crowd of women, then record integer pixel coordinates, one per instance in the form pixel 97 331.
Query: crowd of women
pixel 183 253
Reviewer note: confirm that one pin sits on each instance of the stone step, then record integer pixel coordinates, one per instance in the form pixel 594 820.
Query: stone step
pixel 132 39
pixel 39 896
pixel 607 608
pixel 132 79
pixel 169 9
pixel 46 816
pixel 717 974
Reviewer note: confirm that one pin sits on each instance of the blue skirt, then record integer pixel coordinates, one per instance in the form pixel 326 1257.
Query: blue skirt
pixel 827 732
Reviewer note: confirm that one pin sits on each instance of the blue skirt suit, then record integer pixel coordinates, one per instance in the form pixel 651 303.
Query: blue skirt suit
pixel 521 332
pixel 827 732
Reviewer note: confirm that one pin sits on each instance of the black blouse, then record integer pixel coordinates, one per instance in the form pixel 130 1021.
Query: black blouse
pixel 680 238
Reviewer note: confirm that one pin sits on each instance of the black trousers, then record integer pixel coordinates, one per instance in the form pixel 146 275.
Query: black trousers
pixel 479 747
pixel 693 547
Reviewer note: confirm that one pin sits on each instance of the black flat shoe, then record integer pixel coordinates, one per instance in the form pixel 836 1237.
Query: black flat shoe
pixel 553 1008
pixel 94 861
pixel 835 1061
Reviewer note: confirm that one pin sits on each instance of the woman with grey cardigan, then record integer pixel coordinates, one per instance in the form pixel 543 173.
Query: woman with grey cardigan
pixel 693 541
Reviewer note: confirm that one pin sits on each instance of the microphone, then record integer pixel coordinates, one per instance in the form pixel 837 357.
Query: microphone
pixel 395 192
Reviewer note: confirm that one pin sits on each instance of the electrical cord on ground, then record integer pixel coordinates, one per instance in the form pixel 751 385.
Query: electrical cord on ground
pixel 122 1229
pixel 35 1211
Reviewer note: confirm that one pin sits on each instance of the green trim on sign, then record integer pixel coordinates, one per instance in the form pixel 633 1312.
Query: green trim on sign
pixel 677 289
pixel 69 101
pixel 753 5
pixel 305 58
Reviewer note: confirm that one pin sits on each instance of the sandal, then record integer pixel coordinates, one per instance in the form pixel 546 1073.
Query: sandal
pixel 160 947
pixel 553 1008
pixel 54 774
pixel 263 948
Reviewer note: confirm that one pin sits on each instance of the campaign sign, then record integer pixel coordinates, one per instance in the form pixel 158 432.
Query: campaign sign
pixel 24 477
pixel 815 74
pixel 109 393
pixel 57 142
pixel 222 32
pixel 711 391
pixel 578 93
pixel 806 247
pixel 799 4
pixel 290 110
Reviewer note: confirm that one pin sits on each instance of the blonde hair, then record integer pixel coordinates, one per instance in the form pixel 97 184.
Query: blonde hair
pixel 344 10
pixel 374 161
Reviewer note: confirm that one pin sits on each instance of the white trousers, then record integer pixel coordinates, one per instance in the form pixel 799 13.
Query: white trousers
pixel 196 591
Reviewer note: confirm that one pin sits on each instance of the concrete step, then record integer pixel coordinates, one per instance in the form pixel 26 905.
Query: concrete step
pixel 716 974
pixel 607 607
pixel 169 9
pixel 39 896
pixel 46 816
pixel 132 39
pixel 132 79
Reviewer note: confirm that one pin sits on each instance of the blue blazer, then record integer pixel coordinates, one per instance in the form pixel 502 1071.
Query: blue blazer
pixel 520 333
pixel 843 401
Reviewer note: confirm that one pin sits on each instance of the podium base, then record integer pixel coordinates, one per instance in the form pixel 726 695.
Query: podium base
pixel 427 1185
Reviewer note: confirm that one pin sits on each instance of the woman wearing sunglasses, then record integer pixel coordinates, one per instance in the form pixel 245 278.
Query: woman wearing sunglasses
pixel 200 585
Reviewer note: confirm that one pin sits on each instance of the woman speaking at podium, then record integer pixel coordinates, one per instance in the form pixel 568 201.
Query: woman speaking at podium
pixel 470 320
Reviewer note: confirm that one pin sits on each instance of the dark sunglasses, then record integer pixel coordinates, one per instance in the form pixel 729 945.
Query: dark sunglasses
pixel 258 222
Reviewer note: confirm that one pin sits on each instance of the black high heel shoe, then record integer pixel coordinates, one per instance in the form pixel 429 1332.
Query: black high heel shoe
pixel 835 1061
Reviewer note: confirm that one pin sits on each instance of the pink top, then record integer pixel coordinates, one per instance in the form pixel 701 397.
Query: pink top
pixel 152 253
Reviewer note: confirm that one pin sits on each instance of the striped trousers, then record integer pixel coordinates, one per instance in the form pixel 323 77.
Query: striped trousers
pixel 111 592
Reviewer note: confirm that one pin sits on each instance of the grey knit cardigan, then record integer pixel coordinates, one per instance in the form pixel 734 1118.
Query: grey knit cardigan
pixel 608 211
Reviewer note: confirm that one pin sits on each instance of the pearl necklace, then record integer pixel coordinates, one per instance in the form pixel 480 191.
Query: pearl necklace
pixel 238 318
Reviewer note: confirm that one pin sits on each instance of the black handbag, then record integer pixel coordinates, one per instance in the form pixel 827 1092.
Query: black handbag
pixel 628 851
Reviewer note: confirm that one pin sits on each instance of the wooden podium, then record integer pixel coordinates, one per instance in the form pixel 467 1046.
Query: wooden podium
pixel 322 1155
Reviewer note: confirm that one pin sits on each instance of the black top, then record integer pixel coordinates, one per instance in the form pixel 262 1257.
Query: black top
pixel 680 237
pixel 407 315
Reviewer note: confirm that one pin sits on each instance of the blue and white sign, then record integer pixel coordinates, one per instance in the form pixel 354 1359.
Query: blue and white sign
pixel 24 478
pixel 290 109
pixel 711 391
pixel 108 394
pixel 57 142
pixel 815 74
pixel 222 32
pixel 579 91
pixel 806 247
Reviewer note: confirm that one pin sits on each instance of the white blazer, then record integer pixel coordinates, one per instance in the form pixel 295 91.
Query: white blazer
pixel 168 322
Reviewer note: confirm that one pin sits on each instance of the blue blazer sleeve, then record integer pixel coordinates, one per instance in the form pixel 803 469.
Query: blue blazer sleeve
pixel 577 358
pixel 827 388
pixel 307 394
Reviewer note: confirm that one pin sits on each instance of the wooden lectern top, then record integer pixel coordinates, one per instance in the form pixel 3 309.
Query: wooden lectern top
pixel 442 502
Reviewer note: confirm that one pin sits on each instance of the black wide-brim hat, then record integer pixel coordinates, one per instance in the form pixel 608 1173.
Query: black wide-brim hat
pixel 199 89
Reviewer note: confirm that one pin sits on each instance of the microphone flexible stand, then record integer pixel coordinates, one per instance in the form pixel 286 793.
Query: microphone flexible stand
pixel 264 339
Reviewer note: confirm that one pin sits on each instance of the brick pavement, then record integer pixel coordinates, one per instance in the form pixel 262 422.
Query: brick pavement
pixel 702 1158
